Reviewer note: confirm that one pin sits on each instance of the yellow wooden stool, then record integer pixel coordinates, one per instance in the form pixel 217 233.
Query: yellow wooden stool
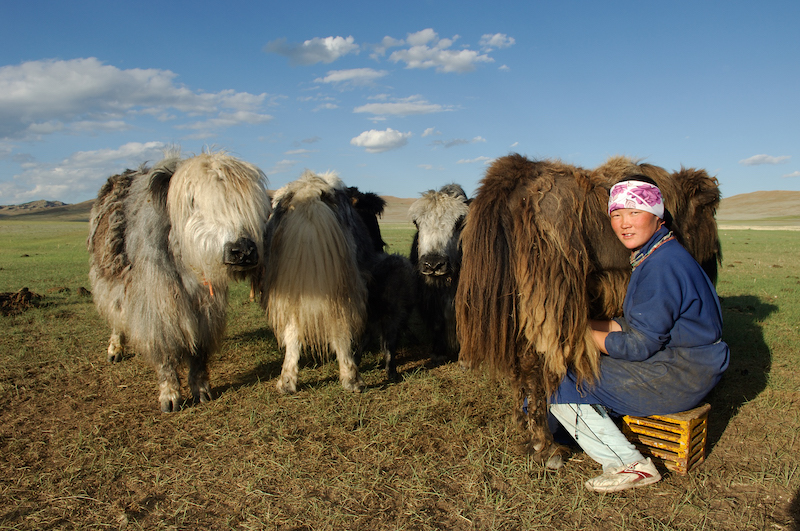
pixel 677 441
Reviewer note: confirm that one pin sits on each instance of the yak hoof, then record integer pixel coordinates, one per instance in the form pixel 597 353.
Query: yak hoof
pixel 286 386
pixel 355 386
pixel 171 406
pixel 555 462
pixel 202 396
pixel 170 401
pixel 115 352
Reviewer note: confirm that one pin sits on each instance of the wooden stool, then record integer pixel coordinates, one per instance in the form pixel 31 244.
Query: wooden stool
pixel 677 441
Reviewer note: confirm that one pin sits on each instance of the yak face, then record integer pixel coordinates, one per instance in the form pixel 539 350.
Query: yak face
pixel 439 217
pixel 218 208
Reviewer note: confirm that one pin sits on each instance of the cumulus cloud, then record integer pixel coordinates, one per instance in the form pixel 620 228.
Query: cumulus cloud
pixel 77 177
pixel 793 174
pixel 313 51
pixel 430 132
pixel 490 42
pixel 401 107
pixel 757 160
pixel 352 77
pixel 375 141
pixel 387 42
pixel 429 51
pixel 49 96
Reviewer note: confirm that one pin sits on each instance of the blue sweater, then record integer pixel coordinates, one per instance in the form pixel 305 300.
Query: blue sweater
pixel 670 352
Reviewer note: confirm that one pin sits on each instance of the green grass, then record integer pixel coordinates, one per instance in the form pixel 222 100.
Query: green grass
pixel 83 445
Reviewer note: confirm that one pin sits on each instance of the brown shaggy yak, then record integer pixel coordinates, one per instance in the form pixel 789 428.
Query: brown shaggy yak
pixel 540 259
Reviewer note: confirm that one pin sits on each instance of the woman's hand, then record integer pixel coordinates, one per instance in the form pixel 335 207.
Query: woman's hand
pixel 600 330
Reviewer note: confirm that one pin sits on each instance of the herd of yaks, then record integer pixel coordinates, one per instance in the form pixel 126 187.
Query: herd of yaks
pixel 507 280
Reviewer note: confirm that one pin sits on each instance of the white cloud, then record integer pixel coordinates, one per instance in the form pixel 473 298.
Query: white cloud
pixel 281 167
pixel 429 51
pixel 352 77
pixel 422 37
pixel 313 51
pixel 379 50
pixel 44 97
pixel 430 132
pixel 402 107
pixel 757 160
pixel 375 141
pixel 226 119
pixel 300 151
pixel 457 142
pixel 793 174
pixel 489 42
pixel 78 176
pixel 485 160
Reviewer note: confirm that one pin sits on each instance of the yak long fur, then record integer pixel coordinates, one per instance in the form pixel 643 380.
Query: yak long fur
pixel 164 243
pixel 315 287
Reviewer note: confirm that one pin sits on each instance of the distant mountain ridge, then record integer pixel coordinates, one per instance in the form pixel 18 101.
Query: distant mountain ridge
pixel 33 206
pixel 753 206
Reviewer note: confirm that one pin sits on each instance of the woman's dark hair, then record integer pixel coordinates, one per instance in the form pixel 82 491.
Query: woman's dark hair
pixel 646 179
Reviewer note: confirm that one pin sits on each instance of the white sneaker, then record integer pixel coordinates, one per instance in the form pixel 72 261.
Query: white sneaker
pixel 636 474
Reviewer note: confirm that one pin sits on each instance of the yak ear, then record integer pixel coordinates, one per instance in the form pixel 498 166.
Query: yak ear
pixel 159 178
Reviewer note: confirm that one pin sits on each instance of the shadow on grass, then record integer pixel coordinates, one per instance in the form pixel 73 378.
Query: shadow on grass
pixel 794 512
pixel 412 356
pixel 750 361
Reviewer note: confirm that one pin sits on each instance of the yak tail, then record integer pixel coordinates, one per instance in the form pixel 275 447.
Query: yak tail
pixel 523 285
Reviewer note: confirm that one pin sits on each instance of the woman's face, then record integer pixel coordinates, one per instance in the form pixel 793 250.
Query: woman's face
pixel 634 227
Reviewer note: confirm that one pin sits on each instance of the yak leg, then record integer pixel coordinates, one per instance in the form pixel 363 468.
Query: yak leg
pixel 287 382
pixel 539 441
pixel 348 372
pixel 116 346
pixel 388 347
pixel 198 378
pixel 170 386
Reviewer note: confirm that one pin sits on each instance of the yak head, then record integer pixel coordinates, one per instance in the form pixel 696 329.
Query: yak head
pixel 439 217
pixel 218 208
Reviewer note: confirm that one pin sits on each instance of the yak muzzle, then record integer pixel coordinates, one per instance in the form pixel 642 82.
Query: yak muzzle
pixel 434 265
pixel 242 254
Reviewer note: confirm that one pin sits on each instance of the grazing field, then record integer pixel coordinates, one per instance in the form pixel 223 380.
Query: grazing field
pixel 83 443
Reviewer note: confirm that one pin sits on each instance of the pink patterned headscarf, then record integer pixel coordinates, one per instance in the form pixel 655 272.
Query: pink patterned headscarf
pixel 638 195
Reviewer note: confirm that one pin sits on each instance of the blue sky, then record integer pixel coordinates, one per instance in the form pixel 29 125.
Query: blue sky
pixel 396 97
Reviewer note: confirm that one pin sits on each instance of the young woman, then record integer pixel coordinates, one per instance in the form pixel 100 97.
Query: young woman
pixel 662 357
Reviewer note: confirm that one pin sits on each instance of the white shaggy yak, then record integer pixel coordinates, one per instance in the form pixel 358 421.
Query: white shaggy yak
pixel 315 287
pixel 164 244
